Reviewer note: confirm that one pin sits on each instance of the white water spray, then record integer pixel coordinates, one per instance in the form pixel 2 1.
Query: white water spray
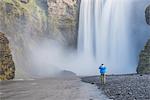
pixel 105 34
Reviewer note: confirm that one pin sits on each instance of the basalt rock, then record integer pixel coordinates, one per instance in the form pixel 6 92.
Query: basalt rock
pixel 147 15
pixel 7 67
pixel 144 58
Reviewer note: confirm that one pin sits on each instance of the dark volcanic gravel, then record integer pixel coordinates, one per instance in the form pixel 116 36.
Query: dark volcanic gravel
pixel 123 87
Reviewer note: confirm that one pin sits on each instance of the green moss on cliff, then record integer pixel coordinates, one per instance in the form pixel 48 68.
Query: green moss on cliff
pixel 21 7
pixel 7 67
pixel 8 1
pixel 15 8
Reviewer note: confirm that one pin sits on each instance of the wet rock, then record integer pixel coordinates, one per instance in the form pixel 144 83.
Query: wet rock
pixel 7 67
pixel 92 83
pixel 130 93
pixel 144 58
pixel 66 73
pixel 124 87
pixel 24 1
pixel 147 14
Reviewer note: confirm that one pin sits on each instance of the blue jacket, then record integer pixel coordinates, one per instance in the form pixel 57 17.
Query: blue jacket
pixel 103 69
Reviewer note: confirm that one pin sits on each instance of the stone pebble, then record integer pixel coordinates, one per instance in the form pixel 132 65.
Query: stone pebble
pixel 124 87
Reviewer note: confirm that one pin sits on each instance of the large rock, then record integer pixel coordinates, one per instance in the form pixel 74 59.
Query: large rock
pixel 144 58
pixel 7 67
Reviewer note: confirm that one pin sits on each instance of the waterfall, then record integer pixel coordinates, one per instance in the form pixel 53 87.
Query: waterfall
pixel 85 40
pixel 105 34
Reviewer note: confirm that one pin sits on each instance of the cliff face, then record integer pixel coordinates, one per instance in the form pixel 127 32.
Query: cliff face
pixel 144 58
pixel 23 21
pixel 28 22
pixel 7 67
pixel 63 20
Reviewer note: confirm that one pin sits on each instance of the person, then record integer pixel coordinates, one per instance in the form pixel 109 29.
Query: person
pixel 102 70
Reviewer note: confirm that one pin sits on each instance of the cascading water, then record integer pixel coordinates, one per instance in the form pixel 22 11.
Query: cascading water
pixel 112 32
pixel 105 34
pixel 85 40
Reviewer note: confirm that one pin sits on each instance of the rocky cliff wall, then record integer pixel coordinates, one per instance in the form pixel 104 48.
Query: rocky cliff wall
pixel 23 22
pixel 144 58
pixel 27 22
pixel 7 67
pixel 63 20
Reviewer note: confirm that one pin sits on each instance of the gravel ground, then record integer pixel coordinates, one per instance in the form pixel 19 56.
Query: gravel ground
pixel 123 87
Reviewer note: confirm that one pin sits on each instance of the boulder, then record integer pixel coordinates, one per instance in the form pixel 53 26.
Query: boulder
pixel 7 67
pixel 144 58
